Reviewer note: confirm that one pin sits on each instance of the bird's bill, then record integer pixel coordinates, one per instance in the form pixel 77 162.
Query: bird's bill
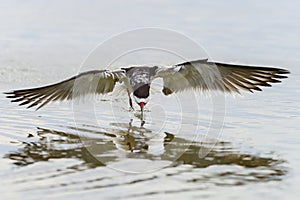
pixel 142 105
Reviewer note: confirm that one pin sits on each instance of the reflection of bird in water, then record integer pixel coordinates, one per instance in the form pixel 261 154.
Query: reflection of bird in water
pixel 224 165
pixel 199 75
pixel 54 144
pixel 137 139
pixel 133 140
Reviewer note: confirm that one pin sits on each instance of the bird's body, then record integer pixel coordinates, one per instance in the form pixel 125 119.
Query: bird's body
pixel 200 75
pixel 140 80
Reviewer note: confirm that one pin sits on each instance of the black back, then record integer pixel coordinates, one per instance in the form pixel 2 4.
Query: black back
pixel 140 80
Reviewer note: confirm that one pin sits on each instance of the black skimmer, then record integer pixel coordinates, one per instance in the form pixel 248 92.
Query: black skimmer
pixel 201 75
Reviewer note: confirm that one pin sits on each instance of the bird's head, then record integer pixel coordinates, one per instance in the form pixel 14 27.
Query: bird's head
pixel 141 102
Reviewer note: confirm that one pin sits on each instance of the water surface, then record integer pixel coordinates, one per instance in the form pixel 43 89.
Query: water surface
pixel 45 154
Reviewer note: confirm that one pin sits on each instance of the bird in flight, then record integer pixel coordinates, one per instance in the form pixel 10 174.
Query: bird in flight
pixel 198 75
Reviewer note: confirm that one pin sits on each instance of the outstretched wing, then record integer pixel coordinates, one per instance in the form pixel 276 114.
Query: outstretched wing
pixel 204 75
pixel 91 82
